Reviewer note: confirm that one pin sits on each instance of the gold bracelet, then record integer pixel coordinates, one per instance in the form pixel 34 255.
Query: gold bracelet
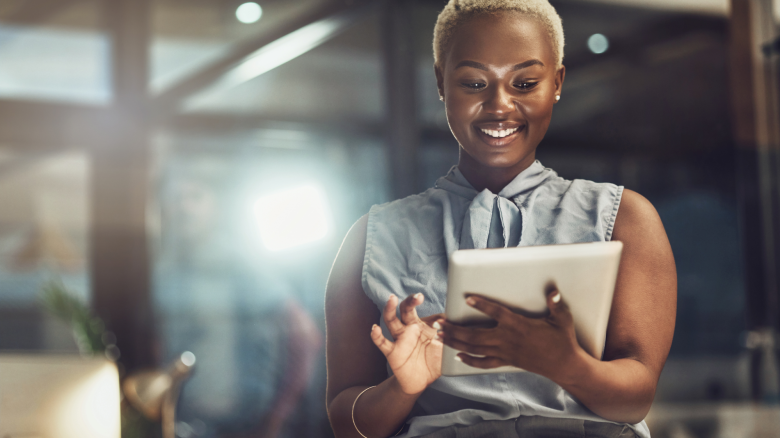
pixel 353 414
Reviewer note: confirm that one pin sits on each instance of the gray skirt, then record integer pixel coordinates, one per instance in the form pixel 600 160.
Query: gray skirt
pixel 536 427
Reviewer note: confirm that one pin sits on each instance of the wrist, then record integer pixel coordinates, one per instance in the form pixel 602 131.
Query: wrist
pixel 381 409
pixel 576 369
pixel 395 386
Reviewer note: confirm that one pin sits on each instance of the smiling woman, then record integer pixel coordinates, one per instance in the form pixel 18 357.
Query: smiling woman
pixel 499 72
pixel 498 108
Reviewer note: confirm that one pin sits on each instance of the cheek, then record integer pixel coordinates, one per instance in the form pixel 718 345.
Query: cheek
pixel 460 113
pixel 537 112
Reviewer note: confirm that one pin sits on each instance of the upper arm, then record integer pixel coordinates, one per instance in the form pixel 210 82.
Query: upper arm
pixel 352 357
pixel 641 324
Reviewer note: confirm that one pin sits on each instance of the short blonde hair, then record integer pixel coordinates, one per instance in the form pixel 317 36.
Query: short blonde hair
pixel 459 11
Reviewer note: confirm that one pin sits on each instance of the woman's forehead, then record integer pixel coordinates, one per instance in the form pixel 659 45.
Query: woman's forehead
pixel 498 39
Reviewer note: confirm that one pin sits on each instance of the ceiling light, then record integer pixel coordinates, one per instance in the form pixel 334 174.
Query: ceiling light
pixel 249 12
pixel 598 43
pixel 283 50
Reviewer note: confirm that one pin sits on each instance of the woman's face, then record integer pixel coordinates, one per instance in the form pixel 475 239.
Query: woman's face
pixel 499 83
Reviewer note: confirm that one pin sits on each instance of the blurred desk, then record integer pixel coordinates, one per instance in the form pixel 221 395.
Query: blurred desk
pixel 58 396
pixel 714 420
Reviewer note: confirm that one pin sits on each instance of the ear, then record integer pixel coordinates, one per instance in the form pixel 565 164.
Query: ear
pixel 560 75
pixel 439 79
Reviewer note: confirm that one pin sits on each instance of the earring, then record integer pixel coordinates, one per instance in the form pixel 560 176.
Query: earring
pixel 441 98
pixel 557 97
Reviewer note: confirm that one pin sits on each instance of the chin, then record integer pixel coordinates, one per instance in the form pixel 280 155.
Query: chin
pixel 500 163
pixel 500 160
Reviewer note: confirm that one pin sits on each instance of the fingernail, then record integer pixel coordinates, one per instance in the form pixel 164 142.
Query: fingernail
pixel 458 359
pixel 436 325
pixel 417 296
pixel 470 301
pixel 556 298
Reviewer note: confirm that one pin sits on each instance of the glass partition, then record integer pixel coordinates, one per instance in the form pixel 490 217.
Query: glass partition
pixel 43 238
pixel 254 188
pixel 55 51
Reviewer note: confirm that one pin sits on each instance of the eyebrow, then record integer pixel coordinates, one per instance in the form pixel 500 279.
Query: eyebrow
pixel 516 67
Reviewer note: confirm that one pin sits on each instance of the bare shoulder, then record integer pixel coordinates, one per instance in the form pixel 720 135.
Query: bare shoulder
pixel 354 245
pixel 644 305
pixel 645 244
pixel 636 217
pixel 358 229
pixel 347 267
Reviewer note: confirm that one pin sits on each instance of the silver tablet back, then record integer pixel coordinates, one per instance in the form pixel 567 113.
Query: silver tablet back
pixel 585 274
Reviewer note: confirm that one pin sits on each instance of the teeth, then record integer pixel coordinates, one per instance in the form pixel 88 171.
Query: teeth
pixel 499 134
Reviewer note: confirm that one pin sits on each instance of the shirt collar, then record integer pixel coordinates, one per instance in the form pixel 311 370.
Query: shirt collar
pixel 524 182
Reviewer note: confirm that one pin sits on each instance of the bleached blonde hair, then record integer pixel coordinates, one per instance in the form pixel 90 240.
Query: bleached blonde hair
pixel 459 11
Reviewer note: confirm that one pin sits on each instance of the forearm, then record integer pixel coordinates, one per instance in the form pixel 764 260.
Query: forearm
pixel 620 390
pixel 379 412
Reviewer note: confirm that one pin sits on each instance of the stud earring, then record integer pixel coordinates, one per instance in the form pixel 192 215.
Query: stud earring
pixel 557 97
pixel 441 98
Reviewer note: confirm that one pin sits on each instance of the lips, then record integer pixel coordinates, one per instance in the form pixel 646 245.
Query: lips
pixel 499 133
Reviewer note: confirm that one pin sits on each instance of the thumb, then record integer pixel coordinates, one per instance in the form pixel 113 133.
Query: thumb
pixel 385 346
pixel 555 301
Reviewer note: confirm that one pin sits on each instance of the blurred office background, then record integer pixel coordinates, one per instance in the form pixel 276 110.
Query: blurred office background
pixel 188 168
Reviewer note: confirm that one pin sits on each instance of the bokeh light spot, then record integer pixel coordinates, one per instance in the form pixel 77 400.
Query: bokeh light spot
pixel 249 12
pixel 598 43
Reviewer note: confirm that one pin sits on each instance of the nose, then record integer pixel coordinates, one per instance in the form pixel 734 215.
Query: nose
pixel 499 101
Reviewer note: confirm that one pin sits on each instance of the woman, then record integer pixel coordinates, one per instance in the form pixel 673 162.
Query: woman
pixel 498 65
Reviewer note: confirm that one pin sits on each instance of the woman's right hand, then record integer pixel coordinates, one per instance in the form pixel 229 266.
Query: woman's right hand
pixel 415 356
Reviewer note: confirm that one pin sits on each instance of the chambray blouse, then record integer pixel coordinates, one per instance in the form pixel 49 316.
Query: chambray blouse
pixel 408 242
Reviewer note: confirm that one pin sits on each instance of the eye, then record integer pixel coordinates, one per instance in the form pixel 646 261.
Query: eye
pixel 525 85
pixel 473 85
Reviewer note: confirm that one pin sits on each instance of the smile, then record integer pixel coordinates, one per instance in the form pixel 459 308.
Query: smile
pixel 499 134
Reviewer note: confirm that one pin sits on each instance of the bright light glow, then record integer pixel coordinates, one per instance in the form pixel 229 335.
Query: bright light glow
pixel 58 396
pixel 293 217
pixel 598 43
pixel 89 409
pixel 249 12
pixel 282 50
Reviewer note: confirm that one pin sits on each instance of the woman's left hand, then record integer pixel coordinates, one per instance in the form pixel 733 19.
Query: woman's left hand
pixel 541 345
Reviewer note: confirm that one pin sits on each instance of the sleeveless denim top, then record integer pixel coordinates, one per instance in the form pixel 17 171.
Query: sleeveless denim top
pixel 408 242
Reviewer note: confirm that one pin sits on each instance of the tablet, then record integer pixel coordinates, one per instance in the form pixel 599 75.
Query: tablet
pixel 585 274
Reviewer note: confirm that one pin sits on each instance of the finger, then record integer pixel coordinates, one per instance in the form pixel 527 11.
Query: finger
pixel 409 308
pixel 481 362
pixel 431 320
pixel 559 309
pixel 489 308
pixel 385 346
pixel 391 320
pixel 432 324
pixel 469 335
pixel 480 350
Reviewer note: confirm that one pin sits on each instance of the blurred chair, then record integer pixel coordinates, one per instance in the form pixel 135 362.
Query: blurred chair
pixel 58 396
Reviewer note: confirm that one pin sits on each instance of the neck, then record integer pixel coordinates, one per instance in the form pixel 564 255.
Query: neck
pixel 483 177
